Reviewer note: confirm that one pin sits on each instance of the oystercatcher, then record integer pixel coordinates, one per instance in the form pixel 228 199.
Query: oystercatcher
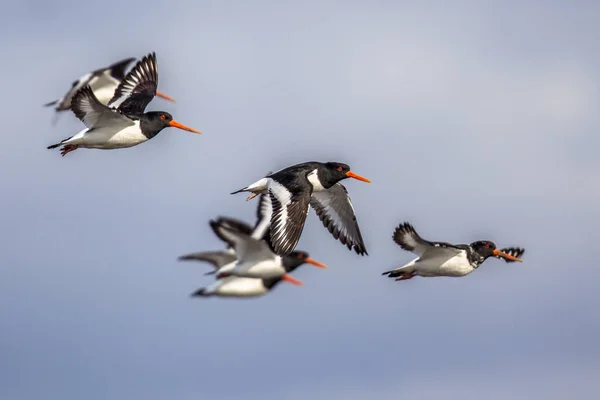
pixel 123 122
pixel 255 258
pixel 234 286
pixel 445 259
pixel 103 81
pixel 293 189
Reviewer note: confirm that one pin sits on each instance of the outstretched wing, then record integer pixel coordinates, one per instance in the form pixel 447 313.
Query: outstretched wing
pixel 94 114
pixel 334 208
pixel 138 88
pixel 64 103
pixel 216 258
pixel 513 251
pixel 246 248
pixel 264 211
pixel 117 69
pixel 407 238
pixel 288 216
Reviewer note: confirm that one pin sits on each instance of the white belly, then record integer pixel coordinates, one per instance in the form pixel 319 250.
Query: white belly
pixel 108 138
pixel 238 287
pixel 264 270
pixel 455 266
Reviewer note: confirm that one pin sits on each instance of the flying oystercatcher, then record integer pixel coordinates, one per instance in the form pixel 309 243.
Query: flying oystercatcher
pixel 233 286
pixel 123 122
pixel 293 189
pixel 242 286
pixel 103 81
pixel 445 259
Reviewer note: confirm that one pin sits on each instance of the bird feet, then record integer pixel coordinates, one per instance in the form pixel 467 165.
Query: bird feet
pixel 253 195
pixel 406 276
pixel 67 149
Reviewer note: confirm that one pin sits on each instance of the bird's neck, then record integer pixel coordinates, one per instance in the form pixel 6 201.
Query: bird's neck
pixel 148 128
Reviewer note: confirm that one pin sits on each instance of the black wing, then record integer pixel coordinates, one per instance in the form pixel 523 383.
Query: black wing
pixel 138 88
pixel 216 258
pixel 94 114
pixel 235 225
pixel 117 70
pixel 334 208
pixel 264 211
pixel 289 214
pixel 513 251
pixel 407 238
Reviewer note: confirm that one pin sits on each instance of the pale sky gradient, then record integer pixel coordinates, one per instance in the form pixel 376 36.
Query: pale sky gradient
pixel 476 120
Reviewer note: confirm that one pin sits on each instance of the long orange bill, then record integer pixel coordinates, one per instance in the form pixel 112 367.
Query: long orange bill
pixel 315 263
pixel 499 253
pixel 176 124
pixel 351 174
pixel 292 280
pixel 164 96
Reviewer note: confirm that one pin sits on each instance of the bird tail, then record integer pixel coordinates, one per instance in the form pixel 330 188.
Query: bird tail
pixel 244 189
pixel 50 104
pixel 58 144
pixel 200 293
pixel 256 188
pixel 395 273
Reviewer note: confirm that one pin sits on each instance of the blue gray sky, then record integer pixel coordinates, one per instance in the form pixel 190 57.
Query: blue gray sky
pixel 476 120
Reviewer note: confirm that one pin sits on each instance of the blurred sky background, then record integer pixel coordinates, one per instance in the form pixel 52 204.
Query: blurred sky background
pixel 474 120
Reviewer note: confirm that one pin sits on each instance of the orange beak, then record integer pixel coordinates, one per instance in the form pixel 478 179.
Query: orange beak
pixel 351 174
pixel 315 263
pixel 499 253
pixel 164 96
pixel 176 124
pixel 292 280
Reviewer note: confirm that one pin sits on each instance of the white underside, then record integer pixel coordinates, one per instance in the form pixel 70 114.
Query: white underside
pixel 237 287
pixel 108 137
pixel 456 266
pixel 259 186
pixel 263 269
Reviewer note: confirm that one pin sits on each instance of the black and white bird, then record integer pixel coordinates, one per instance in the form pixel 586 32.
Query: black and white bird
pixel 122 123
pixel 293 189
pixel 445 259
pixel 103 81
pixel 233 286
pixel 255 259
pixel 225 260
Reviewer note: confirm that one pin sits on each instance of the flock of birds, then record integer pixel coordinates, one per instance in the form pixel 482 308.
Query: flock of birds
pixel 112 104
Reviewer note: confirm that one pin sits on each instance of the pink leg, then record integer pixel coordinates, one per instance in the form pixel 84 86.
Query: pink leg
pixel 67 149
pixel 406 276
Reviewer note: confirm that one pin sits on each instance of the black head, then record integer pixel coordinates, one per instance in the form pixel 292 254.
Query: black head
pixel 297 258
pixel 486 248
pixel 333 172
pixel 155 121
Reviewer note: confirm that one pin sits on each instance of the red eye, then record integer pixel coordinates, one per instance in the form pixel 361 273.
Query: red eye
pixel 339 169
pixel 163 116
pixel 487 246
